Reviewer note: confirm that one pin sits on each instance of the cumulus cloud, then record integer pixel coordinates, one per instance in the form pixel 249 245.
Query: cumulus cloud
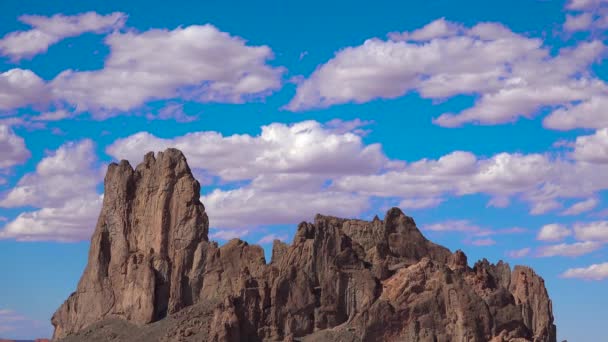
pixel 74 220
pixel 335 162
pixel 12 148
pixel 570 250
pixel 513 75
pixel 309 154
pixel 581 207
pixel 63 175
pixel 481 242
pixel 592 148
pixel 587 114
pixel 270 238
pixel 227 234
pixel 52 116
pixel 519 253
pixel 252 206
pixel 36 121
pixel 420 203
pixel 306 148
pixel 592 272
pixel 356 126
pixel 198 63
pixel 591 237
pixel 544 206
pixel 439 28
pixel 592 231
pixel 195 63
pixel 20 88
pixel 63 189
pixel 172 111
pixel 288 169
pixel 475 235
pixel 578 22
pixel 553 232
pixel 536 178
pixel 584 4
pixel 47 31
pixel 589 15
pixel 464 226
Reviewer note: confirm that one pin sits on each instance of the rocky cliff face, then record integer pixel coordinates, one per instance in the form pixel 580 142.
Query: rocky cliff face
pixel 145 248
pixel 153 275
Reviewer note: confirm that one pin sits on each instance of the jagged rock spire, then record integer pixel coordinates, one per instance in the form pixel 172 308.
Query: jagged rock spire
pixel 149 237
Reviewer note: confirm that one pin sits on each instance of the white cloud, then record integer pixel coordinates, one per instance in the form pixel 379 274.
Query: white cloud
pixel 287 167
pixel 228 234
pixel 312 159
pixel 65 174
pixel 539 179
pixel 12 148
pixel 439 28
pixel 63 188
pixel 592 148
pixel 252 206
pixel 592 272
pixel 544 206
pixel 271 237
pixel 592 231
pixel 578 22
pixel 50 30
pixel 581 207
pixel 172 111
pixel 475 235
pixel 590 15
pixel 530 86
pixel 553 232
pixel 587 114
pixel 74 220
pixel 499 202
pixel 513 75
pixel 340 126
pixel 584 4
pixel 305 148
pixel 571 250
pixel 453 226
pixel 420 203
pixel 198 63
pixel 482 242
pixel 52 116
pixel 519 253
pixel 19 88
pixel 36 121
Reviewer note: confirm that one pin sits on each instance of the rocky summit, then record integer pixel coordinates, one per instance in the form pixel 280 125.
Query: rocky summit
pixel 153 275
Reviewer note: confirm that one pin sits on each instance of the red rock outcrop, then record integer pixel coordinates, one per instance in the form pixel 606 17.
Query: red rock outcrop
pixel 149 241
pixel 152 265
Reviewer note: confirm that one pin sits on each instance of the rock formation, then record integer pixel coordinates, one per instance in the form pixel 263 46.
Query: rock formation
pixel 145 249
pixel 154 276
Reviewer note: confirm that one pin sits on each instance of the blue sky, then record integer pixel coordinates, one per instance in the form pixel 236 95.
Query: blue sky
pixel 484 123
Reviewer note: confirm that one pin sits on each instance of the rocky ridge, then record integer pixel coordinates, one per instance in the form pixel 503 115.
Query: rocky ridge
pixel 153 275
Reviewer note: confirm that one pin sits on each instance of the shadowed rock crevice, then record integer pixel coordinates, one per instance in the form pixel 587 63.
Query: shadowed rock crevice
pixel 153 275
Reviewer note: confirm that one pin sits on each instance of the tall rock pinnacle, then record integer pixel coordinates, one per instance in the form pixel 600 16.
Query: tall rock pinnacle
pixel 151 230
pixel 152 275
